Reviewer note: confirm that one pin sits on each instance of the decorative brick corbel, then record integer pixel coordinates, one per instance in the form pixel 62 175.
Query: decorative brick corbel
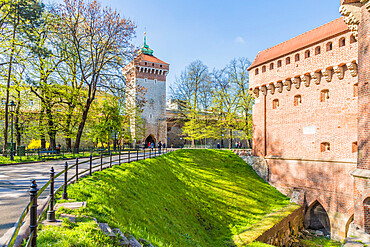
pixel 326 73
pixel 255 92
pixel 352 67
pixel 338 70
pixel 297 82
pixel 264 90
pixel 279 86
pixel 315 77
pixel 287 84
pixel 271 87
pixel 305 79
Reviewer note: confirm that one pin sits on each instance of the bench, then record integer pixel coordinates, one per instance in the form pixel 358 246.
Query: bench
pixel 46 153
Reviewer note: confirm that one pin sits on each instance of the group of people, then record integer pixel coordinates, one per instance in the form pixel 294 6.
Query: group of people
pixel 160 145
pixel 238 145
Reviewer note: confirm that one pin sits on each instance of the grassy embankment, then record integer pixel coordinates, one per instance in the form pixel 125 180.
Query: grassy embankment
pixel 185 198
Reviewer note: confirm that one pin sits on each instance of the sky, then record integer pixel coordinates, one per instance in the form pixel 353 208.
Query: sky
pixel 216 31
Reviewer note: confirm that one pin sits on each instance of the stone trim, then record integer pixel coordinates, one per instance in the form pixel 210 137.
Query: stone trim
pixel 312 160
pixel 361 173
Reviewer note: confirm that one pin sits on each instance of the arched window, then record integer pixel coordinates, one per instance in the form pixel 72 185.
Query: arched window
pixel 275 104
pixel 145 80
pixel 271 66
pixel 287 60
pixel 342 42
pixel 155 81
pixel 354 147
pixel 329 46
pixel 325 146
pixel 263 68
pixel 307 54
pixel 256 71
pixel 297 100
pixel 318 50
pixel 296 57
pixel 279 63
pixel 324 95
pixel 352 39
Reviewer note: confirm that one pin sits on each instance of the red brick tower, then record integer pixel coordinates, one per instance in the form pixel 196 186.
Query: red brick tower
pixel 147 74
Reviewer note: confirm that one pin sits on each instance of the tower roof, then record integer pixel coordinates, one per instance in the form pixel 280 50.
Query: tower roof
pixel 145 48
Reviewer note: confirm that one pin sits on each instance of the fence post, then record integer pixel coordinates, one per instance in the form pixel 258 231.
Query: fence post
pixel 76 170
pixel 65 195
pixel 50 217
pixel 128 156
pixel 33 213
pixel 144 153
pixel 150 153
pixel 119 155
pixel 137 154
pixel 90 164
pixel 110 159
pixel 155 153
pixel 101 161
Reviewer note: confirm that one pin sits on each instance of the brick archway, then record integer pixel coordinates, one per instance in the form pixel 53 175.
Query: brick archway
pixel 150 139
pixel 316 218
pixel 367 215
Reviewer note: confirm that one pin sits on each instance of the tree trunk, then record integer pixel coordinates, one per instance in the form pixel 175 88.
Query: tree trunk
pixel 81 126
pixel 51 129
pixel 230 138
pixel 69 144
pixel 41 127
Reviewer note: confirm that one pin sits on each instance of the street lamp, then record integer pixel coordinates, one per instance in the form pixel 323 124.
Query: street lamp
pixel 11 110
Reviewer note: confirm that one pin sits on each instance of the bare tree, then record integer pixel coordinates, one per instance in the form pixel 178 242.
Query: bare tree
pixel 101 40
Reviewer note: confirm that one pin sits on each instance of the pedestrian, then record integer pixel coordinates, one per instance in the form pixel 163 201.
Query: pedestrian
pixel 159 146
pixel 240 145
pixel 218 146
pixel 58 149
pixel 152 145
pixel 236 145
pixel 148 144
pixel 164 145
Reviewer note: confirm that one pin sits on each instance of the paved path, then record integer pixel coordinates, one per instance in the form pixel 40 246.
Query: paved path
pixel 15 183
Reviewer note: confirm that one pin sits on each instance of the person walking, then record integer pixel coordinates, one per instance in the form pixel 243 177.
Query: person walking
pixel 159 146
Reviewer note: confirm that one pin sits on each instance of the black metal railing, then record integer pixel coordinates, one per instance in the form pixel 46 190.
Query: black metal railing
pixel 31 208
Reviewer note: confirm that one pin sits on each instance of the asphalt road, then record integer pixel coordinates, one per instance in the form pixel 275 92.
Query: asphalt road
pixel 15 183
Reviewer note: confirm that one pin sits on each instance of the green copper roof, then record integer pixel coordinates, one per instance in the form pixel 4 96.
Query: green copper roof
pixel 145 48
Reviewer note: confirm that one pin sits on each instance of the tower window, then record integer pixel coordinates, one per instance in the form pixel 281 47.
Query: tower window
pixel 279 63
pixel 275 104
pixel 30 102
pixel 354 147
pixel 342 42
pixel 324 95
pixel 160 65
pixel 329 46
pixel 150 115
pixel 271 66
pixel 155 81
pixel 296 57
pixel 352 39
pixel 318 50
pixel 297 100
pixel 263 69
pixel 152 64
pixel 256 72
pixel 145 80
pixel 355 90
pixel 325 146
pixel 146 63
pixel 287 60
pixel 307 54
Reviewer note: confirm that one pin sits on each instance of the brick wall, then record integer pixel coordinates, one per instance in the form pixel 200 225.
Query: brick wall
pixel 362 184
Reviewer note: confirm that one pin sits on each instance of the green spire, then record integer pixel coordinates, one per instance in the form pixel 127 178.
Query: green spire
pixel 145 48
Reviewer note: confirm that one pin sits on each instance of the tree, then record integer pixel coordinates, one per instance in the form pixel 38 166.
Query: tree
pixel 16 17
pixel 100 38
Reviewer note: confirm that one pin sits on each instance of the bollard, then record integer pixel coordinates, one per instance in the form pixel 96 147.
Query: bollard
pixel 110 159
pixel 90 164
pixel 65 195
pixel 101 161
pixel 76 170
pixel 137 155
pixel 128 156
pixel 33 212
pixel 119 155
pixel 50 217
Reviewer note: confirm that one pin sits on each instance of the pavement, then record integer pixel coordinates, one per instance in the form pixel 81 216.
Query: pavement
pixel 15 183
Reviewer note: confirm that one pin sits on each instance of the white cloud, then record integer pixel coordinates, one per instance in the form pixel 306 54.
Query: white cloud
pixel 239 40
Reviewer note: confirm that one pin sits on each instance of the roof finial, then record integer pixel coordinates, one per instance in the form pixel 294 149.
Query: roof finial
pixel 144 38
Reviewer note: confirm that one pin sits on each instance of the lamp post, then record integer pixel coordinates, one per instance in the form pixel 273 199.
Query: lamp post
pixel 11 110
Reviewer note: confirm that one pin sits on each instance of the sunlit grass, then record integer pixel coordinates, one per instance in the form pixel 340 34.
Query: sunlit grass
pixel 185 198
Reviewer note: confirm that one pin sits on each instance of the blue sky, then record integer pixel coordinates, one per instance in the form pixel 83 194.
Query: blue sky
pixel 181 31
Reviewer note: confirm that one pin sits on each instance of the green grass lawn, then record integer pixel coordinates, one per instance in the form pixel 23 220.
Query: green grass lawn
pixel 185 198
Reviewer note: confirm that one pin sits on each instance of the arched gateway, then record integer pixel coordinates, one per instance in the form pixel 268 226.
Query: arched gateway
pixel 317 218
pixel 150 139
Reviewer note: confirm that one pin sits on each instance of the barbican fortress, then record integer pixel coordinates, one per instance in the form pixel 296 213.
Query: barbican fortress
pixel 311 121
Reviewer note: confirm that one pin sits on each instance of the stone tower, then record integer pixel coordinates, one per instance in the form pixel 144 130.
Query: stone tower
pixel 146 97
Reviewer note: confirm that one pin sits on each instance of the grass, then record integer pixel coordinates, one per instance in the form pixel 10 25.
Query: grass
pixel 319 242
pixel 185 198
